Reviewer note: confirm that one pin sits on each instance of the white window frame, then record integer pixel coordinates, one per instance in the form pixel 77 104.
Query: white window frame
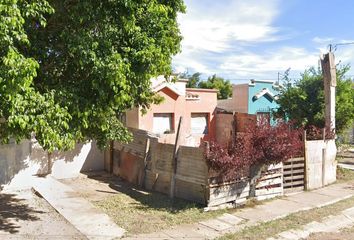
pixel 202 118
pixel 163 123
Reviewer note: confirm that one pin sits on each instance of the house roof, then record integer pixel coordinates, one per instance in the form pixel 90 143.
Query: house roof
pixel 168 85
pixel 201 90
pixel 161 82
pixel 265 91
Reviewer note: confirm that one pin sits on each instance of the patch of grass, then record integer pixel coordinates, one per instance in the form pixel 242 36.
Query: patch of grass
pixel 295 220
pixel 344 175
pixel 143 212
pixel 343 234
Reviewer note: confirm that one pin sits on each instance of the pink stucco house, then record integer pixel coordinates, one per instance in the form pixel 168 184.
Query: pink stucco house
pixel 195 106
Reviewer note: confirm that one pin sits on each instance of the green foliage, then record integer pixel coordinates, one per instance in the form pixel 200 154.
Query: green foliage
pixel 68 68
pixel 304 101
pixel 213 82
pixel 193 80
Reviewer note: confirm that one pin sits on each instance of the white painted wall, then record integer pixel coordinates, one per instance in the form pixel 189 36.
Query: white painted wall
pixel 22 164
pixel 330 152
pixel 321 163
pixel 313 156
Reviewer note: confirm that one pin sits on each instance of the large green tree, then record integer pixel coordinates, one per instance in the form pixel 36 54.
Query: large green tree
pixel 303 101
pixel 213 82
pixel 194 80
pixel 68 68
pixel 219 83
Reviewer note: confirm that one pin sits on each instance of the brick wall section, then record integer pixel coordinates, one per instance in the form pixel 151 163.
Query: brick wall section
pixel 128 159
pixel 224 123
pixel 243 121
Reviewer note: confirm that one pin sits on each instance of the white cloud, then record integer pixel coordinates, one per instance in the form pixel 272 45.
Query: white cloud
pixel 190 65
pixel 321 40
pixel 238 39
pixel 215 27
pixel 345 55
pixel 250 64
pixel 343 48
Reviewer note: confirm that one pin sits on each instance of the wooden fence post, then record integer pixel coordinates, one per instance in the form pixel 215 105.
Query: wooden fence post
pixel 207 182
pixel 147 148
pixel 174 161
pixel 111 156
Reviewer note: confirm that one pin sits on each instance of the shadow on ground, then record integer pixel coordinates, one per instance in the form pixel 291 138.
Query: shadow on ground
pixel 13 209
pixel 147 199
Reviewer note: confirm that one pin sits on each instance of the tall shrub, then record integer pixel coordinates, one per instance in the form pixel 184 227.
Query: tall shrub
pixel 261 146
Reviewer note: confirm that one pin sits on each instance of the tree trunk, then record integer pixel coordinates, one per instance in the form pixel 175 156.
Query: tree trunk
pixel 255 174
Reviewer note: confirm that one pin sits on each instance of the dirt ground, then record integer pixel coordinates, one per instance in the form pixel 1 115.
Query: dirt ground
pixel 96 186
pixel 23 215
pixel 135 209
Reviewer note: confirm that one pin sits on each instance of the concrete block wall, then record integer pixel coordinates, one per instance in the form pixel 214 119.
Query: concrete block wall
pixel 161 156
pixel 191 175
pixel 159 174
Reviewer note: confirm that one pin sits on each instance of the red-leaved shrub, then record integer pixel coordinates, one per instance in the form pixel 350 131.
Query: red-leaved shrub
pixel 262 145
pixel 316 133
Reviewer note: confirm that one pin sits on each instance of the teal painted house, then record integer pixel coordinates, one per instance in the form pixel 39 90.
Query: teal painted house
pixel 256 97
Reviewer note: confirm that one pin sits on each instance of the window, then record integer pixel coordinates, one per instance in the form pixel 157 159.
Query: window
pixel 199 123
pixel 163 123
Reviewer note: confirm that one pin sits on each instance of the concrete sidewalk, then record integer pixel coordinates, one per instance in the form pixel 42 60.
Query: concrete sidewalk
pixel 231 223
pixel 330 224
pixel 78 211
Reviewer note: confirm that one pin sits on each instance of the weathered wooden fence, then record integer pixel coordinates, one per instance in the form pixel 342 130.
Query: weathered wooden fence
pixel 235 192
pixel 294 175
pixel 270 183
pixel 149 163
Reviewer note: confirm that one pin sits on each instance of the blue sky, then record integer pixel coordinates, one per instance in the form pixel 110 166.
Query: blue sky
pixel 244 39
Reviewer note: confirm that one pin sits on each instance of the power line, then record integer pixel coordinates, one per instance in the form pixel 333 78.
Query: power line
pixel 335 46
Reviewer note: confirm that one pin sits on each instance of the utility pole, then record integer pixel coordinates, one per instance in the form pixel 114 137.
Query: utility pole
pixel 330 83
